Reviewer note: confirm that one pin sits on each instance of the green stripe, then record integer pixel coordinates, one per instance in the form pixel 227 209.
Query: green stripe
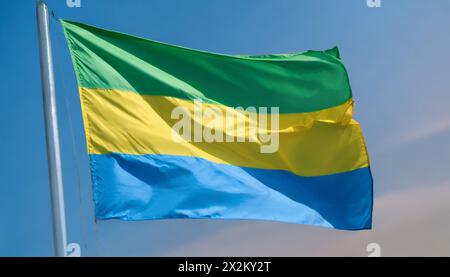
pixel 297 82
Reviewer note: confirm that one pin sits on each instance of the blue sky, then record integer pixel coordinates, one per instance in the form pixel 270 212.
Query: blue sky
pixel 398 60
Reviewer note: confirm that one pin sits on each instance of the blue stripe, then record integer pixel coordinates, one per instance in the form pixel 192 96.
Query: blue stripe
pixel 138 187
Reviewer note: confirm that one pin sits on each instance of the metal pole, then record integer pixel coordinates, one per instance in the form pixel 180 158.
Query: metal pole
pixel 51 131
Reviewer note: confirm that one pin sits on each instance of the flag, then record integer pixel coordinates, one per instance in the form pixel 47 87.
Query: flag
pixel 173 132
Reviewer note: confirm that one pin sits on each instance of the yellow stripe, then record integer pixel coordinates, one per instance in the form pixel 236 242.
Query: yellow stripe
pixel 310 144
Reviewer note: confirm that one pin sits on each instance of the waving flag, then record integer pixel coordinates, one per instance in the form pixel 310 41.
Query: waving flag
pixel 179 133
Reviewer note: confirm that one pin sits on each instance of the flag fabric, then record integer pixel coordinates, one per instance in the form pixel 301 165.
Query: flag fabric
pixel 174 132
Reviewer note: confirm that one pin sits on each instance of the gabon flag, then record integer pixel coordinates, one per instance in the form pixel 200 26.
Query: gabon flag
pixel 173 132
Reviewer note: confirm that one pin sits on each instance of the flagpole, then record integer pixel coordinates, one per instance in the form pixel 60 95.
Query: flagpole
pixel 51 131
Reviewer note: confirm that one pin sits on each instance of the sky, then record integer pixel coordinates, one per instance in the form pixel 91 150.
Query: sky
pixel 398 61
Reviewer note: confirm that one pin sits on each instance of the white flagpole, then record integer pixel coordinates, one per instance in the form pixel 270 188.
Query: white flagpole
pixel 51 128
